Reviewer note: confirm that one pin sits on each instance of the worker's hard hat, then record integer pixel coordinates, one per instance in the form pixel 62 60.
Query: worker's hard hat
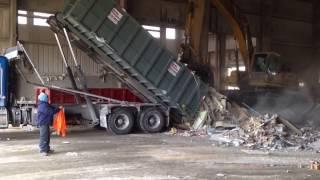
pixel 43 97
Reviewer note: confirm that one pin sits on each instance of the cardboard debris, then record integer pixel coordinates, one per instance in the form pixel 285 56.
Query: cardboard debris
pixel 200 120
pixel 213 109
pixel 173 131
pixel 178 132
pixel 224 125
pixel 290 125
pixel 249 128
pixel 244 126
pixel 314 165
pixel 255 133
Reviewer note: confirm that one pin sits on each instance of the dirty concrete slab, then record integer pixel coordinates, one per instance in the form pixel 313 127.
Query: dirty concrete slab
pixel 92 154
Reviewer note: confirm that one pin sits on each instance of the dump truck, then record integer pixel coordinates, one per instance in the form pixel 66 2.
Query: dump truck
pixel 114 39
pixel 168 90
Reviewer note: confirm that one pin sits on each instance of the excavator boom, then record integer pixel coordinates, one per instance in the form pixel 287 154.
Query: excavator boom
pixel 237 31
pixel 197 32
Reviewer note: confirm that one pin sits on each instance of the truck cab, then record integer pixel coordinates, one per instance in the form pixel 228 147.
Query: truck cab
pixel 4 68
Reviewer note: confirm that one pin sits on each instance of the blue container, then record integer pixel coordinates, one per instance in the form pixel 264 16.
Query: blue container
pixel 4 74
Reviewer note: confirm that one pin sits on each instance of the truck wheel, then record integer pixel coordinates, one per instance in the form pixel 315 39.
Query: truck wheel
pixel 151 120
pixel 121 121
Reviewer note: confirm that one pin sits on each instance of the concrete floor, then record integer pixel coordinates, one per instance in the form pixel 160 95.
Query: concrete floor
pixel 92 154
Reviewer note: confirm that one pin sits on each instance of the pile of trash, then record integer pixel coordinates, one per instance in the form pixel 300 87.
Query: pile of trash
pixel 266 133
pixel 235 125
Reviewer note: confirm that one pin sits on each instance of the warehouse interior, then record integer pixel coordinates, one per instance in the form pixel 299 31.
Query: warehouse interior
pixel 249 119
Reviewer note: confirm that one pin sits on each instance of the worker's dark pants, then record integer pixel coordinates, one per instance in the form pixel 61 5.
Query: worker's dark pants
pixel 44 144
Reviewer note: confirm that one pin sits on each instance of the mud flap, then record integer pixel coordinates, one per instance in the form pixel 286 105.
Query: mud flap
pixel 103 117
pixel 4 118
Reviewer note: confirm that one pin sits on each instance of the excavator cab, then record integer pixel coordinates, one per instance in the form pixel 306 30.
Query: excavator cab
pixel 266 62
pixel 268 71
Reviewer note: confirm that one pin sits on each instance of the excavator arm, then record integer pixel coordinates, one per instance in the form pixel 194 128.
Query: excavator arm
pixel 196 30
pixel 237 31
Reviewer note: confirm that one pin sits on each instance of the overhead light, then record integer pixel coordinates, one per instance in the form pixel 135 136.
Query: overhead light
pixel 301 84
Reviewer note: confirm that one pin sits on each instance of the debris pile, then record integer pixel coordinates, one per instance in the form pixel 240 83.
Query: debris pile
pixel 231 124
pixel 267 133
pixel 234 125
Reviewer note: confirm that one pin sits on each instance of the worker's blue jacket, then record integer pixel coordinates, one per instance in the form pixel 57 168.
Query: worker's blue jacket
pixel 46 113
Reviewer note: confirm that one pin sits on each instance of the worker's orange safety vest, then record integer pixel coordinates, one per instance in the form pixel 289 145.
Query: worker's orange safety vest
pixel 60 124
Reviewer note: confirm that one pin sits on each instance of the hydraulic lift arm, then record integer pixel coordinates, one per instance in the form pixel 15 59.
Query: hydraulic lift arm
pixel 83 82
pixel 21 47
pixel 68 68
pixel 82 79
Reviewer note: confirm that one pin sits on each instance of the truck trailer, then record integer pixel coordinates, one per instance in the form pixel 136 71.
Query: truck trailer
pixel 118 108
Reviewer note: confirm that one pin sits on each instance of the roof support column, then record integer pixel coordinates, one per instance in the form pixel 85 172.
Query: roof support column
pixel 265 32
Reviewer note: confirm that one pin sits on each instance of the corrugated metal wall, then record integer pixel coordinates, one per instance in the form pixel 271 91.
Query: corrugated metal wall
pixel 48 60
pixel 49 63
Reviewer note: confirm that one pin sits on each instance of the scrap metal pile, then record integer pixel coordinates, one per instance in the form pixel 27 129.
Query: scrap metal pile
pixel 233 125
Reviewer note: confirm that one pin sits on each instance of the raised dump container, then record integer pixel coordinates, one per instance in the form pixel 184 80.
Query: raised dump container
pixel 110 32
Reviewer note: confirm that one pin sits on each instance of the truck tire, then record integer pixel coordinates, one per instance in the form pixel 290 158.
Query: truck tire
pixel 151 120
pixel 121 121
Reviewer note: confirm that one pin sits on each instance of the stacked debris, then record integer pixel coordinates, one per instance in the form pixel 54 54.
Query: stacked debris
pixel 214 112
pixel 231 124
pixel 268 133
pixel 243 126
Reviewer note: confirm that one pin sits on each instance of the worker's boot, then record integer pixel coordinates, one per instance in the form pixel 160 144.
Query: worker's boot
pixel 51 151
pixel 44 154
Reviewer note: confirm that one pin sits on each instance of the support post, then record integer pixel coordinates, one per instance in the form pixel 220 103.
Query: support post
pixel 221 58
pixel 265 34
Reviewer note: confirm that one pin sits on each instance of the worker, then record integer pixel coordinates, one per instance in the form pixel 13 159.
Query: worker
pixel 45 119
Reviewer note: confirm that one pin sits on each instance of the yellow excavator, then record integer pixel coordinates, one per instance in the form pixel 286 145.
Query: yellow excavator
pixel 267 85
pixel 263 70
